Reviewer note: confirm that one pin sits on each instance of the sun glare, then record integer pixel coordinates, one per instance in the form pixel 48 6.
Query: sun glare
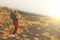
pixel 54 9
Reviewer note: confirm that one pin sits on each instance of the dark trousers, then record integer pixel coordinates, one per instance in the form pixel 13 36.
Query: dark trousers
pixel 15 23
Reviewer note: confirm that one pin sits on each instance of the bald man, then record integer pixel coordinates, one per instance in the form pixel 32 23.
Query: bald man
pixel 15 22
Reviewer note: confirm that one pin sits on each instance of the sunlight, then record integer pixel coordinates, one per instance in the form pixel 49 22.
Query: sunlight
pixel 54 9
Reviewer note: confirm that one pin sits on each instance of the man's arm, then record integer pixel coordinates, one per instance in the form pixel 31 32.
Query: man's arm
pixel 18 15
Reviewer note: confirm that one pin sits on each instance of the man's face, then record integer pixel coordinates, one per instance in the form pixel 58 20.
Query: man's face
pixel 12 10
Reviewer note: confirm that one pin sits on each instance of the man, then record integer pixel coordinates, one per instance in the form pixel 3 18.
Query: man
pixel 15 22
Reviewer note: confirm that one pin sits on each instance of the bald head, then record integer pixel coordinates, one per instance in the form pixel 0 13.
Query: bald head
pixel 12 10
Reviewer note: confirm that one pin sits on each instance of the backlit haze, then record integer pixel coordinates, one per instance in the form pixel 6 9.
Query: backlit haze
pixel 43 7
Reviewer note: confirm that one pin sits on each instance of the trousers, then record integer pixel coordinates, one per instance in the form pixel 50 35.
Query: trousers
pixel 15 23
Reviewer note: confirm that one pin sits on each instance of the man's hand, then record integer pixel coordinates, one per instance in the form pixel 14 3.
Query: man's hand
pixel 18 15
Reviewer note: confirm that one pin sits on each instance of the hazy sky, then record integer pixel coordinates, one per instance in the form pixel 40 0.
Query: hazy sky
pixel 45 7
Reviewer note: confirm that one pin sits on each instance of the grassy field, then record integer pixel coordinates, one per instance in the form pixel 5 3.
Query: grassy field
pixel 31 26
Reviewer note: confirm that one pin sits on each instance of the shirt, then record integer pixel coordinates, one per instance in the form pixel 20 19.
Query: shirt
pixel 13 16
